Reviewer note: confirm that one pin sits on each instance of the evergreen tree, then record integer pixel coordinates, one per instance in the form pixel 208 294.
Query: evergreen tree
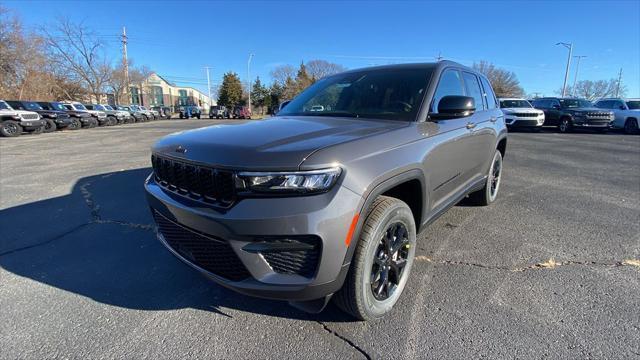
pixel 230 94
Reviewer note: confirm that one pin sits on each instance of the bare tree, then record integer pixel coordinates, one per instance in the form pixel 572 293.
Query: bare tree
pixel 593 90
pixel 77 51
pixel 504 83
pixel 281 73
pixel 317 69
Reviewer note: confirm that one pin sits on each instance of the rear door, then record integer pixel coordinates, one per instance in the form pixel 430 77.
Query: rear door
pixel 482 143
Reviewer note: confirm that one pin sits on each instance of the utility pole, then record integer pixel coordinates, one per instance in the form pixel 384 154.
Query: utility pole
pixel 249 79
pixel 125 62
pixel 566 73
pixel 575 78
pixel 208 85
pixel 619 81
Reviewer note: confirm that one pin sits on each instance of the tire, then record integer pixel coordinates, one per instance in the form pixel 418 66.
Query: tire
pixel 10 128
pixel 489 192
pixel 565 125
pixel 181 116
pixel 49 126
pixel 145 118
pixel 91 123
pixel 76 124
pixel 631 126
pixel 198 116
pixel 211 117
pixel 111 121
pixel 372 263
pixel 37 131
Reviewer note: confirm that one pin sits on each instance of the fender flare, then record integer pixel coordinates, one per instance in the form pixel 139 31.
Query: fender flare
pixel 377 190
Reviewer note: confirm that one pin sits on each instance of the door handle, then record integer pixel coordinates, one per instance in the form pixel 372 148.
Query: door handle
pixel 470 125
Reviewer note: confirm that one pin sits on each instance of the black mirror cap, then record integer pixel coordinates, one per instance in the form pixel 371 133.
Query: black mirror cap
pixel 454 107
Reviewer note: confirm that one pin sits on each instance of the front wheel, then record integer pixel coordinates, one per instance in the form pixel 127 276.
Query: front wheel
pixel 49 126
pixel 10 128
pixel 382 261
pixel 489 193
pixel 631 126
pixel 75 124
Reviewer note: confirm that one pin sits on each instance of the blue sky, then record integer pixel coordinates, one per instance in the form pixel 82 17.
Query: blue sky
pixel 178 38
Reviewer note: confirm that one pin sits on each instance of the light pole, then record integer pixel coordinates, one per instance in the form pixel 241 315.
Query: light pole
pixel 566 73
pixel 249 80
pixel 575 78
pixel 208 84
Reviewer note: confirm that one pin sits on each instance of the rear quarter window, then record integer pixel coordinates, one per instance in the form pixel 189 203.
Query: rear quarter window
pixel 473 89
pixel 489 95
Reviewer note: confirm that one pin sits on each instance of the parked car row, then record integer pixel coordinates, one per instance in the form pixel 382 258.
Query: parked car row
pixel 221 112
pixel 18 116
pixel 572 113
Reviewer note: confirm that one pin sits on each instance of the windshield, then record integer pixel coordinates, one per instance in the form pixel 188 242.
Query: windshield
pixel 575 103
pixel 4 106
pixel 58 106
pixel 108 107
pixel 79 107
pixel 32 106
pixel 633 104
pixel 514 104
pixel 98 107
pixel 143 108
pixel 392 94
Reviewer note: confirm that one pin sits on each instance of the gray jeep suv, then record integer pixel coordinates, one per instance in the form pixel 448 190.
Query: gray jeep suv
pixel 311 204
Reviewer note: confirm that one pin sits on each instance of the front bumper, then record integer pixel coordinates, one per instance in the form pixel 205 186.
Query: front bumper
pixel 31 124
pixel 102 120
pixel 250 224
pixel 523 122
pixel 63 122
pixel 592 123
pixel 85 119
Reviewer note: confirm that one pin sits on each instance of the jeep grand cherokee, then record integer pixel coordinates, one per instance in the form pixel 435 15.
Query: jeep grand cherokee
pixel 309 204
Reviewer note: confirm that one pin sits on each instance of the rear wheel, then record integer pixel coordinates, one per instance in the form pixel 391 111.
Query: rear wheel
pixel 489 193
pixel 49 126
pixel 631 126
pixel 565 125
pixel 91 123
pixel 111 121
pixel 382 261
pixel 10 128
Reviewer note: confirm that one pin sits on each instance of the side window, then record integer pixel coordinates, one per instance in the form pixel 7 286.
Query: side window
pixel 618 105
pixel 450 84
pixel 554 103
pixel 488 93
pixel 473 89
pixel 16 105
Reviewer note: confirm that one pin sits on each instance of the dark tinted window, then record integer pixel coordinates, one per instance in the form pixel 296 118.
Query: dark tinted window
pixel 633 104
pixel 392 94
pixel 473 89
pixel 604 104
pixel 30 105
pixel 16 105
pixel 450 84
pixel 514 104
pixel 46 106
pixel 575 103
pixel 489 94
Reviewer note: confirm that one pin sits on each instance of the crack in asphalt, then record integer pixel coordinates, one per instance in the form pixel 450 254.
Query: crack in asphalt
pixel 96 218
pixel 347 341
pixel 547 265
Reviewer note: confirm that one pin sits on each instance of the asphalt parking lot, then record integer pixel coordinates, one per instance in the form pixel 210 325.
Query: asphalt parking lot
pixel 550 270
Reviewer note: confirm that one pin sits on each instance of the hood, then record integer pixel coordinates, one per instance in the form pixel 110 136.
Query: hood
pixel 279 143
pixel 52 112
pixel 79 113
pixel 589 109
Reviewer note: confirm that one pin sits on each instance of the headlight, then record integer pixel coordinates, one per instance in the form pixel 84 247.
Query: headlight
pixel 305 182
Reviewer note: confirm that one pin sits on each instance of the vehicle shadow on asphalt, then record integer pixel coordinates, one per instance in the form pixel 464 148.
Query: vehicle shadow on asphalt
pixel 99 242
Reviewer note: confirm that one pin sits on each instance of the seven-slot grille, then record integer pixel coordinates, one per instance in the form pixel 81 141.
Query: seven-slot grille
pixel 29 116
pixel 198 182
pixel 599 115
pixel 525 114
pixel 209 253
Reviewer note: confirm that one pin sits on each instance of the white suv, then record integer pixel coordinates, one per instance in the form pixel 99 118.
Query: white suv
pixel 626 112
pixel 518 113
pixel 14 122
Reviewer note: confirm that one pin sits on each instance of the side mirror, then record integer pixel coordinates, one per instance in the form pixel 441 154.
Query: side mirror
pixel 454 107
pixel 621 107
pixel 557 107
